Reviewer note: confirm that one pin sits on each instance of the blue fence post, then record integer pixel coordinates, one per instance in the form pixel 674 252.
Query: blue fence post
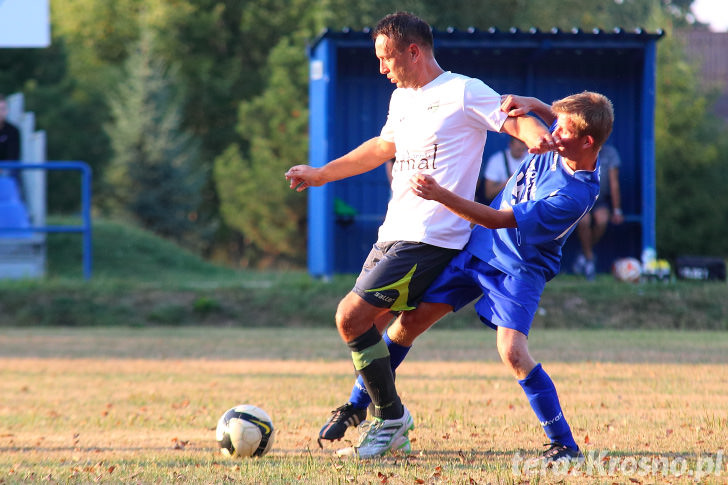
pixel 88 249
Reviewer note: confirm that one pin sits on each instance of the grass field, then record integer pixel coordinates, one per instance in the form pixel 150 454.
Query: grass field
pixel 142 280
pixel 124 405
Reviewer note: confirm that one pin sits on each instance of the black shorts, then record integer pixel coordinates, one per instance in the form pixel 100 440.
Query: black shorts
pixel 396 274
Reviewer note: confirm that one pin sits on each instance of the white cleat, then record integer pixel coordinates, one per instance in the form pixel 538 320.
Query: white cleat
pixel 382 436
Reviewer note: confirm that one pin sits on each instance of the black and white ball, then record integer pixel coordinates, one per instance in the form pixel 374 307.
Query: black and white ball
pixel 245 431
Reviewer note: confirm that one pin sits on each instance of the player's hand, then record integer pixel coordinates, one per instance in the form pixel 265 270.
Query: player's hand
pixel 516 105
pixel 548 142
pixel 617 218
pixel 425 186
pixel 302 176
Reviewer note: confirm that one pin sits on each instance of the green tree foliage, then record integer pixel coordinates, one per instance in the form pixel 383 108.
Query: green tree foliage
pixel 273 126
pixel 272 140
pixel 241 81
pixel 152 174
pixel 254 198
pixel 691 144
pixel 69 114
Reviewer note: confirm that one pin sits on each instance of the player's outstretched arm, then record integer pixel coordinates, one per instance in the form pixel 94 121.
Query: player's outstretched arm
pixel 530 131
pixel 367 156
pixel 426 187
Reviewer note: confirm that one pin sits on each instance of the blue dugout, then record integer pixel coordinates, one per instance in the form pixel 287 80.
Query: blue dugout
pixel 349 100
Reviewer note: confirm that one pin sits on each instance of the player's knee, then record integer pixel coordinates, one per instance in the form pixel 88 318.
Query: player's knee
pixel 601 216
pixel 413 322
pixel 343 316
pixel 515 356
pixel 509 355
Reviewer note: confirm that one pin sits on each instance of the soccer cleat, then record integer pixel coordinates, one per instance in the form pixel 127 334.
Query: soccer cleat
pixel 341 418
pixel 558 452
pixel 400 445
pixel 381 436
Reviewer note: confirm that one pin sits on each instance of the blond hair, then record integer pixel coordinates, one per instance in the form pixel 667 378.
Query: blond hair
pixel 591 114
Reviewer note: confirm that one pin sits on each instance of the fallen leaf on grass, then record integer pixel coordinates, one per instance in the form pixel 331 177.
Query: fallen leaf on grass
pixel 179 444
pixel 181 405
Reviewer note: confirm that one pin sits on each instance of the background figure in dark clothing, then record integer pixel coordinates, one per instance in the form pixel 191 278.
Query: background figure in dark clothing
pixel 9 141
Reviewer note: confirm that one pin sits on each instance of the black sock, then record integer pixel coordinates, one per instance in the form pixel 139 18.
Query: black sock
pixel 371 360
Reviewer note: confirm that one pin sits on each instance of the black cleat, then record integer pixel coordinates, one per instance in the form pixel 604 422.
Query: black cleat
pixel 558 452
pixel 341 419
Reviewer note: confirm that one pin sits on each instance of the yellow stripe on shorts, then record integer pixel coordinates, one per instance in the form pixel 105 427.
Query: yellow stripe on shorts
pixel 402 287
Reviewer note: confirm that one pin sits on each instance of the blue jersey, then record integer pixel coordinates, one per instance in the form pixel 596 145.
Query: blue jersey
pixel 548 200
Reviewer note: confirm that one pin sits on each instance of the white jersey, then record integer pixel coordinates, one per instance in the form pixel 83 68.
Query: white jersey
pixel 495 169
pixel 439 129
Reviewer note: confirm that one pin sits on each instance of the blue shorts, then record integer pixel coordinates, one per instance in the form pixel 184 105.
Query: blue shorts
pixel 506 301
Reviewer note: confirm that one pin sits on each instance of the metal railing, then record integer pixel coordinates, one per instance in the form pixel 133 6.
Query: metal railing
pixel 85 227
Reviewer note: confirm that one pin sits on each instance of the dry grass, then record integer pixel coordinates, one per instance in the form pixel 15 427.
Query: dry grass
pixel 136 419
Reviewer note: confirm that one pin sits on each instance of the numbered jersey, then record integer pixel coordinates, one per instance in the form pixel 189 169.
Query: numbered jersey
pixel 548 200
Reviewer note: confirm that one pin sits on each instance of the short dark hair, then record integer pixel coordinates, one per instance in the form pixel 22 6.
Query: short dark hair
pixel 404 29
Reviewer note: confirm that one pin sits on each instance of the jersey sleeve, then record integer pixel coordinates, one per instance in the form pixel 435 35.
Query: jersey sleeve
pixel 388 129
pixel 548 219
pixel 482 105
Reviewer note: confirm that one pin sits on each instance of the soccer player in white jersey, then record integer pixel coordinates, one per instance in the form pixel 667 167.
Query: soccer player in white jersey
pixel 436 125
pixel 515 248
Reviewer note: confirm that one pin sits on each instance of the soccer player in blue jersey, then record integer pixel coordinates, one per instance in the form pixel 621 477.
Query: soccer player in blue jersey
pixel 514 249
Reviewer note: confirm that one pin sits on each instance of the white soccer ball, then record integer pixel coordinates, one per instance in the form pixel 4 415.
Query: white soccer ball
pixel 627 269
pixel 245 431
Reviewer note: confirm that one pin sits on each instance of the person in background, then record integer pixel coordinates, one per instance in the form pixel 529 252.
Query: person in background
pixel 9 142
pixel 500 166
pixel 607 209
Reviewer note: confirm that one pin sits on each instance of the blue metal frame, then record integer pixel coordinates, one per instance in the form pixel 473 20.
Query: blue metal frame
pixel 85 227
pixel 320 199
pixel 647 133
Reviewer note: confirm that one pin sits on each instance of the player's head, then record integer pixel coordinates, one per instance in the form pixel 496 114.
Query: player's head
pixel 403 45
pixel 403 29
pixel 589 113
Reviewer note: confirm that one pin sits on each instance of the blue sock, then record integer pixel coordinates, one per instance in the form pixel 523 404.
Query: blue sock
pixel 359 395
pixel 541 393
